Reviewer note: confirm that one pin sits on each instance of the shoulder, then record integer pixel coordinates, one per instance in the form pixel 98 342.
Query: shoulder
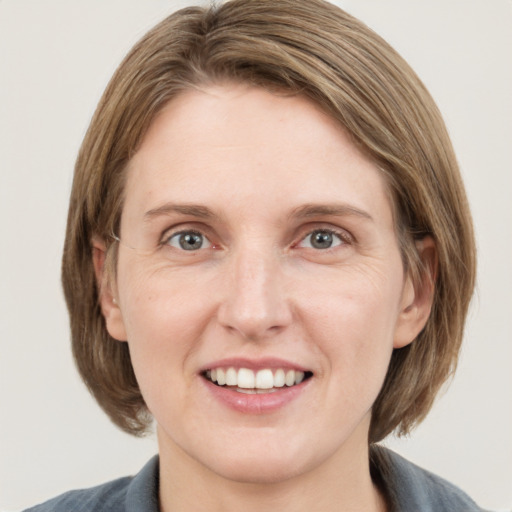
pixel 128 494
pixel 110 496
pixel 413 488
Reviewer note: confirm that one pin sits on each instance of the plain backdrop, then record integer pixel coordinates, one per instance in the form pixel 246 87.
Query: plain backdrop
pixel 55 60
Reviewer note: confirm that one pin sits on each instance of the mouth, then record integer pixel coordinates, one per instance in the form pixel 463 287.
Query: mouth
pixel 265 380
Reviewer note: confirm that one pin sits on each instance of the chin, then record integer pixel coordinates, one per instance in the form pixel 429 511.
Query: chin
pixel 256 471
pixel 260 462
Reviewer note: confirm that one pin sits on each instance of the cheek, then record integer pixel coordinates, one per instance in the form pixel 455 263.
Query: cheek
pixel 354 323
pixel 161 338
pixel 158 300
pixel 165 318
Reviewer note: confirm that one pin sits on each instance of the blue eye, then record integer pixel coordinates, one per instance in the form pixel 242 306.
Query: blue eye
pixel 189 241
pixel 321 239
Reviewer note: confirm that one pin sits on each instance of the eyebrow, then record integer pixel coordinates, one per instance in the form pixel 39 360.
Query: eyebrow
pixel 304 211
pixel 193 210
pixel 337 210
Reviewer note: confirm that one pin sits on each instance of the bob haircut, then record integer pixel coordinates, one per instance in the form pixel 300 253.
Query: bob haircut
pixel 305 47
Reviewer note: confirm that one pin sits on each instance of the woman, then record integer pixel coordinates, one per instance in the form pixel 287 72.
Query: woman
pixel 269 251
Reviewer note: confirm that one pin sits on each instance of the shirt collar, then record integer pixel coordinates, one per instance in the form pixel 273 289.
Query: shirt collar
pixel 142 493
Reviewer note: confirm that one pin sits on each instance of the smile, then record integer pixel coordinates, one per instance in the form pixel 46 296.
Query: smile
pixel 245 380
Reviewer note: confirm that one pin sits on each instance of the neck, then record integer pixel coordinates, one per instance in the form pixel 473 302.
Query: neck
pixel 340 483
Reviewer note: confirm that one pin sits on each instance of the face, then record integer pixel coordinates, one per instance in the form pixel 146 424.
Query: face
pixel 259 284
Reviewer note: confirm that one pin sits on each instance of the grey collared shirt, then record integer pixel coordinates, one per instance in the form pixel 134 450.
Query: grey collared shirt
pixel 408 487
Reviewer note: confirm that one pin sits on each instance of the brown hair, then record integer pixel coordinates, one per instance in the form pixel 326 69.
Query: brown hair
pixel 308 47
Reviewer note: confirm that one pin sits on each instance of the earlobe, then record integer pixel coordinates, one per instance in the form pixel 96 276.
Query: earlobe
pixel 417 297
pixel 107 299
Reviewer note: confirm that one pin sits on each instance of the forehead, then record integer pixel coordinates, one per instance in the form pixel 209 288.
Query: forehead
pixel 233 145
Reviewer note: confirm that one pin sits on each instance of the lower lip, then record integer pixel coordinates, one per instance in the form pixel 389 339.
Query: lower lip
pixel 256 403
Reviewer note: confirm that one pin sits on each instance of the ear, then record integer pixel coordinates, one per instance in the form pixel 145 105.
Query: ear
pixel 108 302
pixel 417 298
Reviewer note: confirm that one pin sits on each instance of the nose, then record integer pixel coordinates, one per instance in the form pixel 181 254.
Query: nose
pixel 255 304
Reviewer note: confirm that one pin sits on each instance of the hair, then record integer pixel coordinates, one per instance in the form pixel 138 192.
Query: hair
pixel 306 47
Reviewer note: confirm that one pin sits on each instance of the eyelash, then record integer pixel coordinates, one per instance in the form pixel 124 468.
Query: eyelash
pixel 343 236
pixel 168 237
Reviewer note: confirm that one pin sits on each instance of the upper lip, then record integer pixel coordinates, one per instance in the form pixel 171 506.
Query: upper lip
pixel 254 364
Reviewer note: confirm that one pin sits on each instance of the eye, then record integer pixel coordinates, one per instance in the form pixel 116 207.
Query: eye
pixel 321 239
pixel 188 241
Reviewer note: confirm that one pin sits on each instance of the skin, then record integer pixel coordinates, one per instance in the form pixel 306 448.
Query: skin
pixel 258 288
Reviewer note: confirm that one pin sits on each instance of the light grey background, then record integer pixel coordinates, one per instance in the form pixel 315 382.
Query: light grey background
pixel 55 59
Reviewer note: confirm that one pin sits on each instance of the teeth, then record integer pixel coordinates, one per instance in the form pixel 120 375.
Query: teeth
pixel 299 377
pixel 231 377
pixel 264 379
pixel 247 380
pixel 221 377
pixel 279 379
pixel 289 379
